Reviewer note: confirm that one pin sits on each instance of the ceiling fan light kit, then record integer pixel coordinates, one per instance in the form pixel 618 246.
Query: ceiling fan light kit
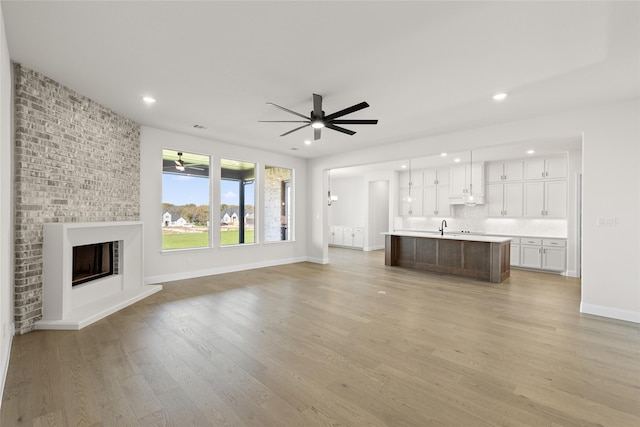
pixel 318 120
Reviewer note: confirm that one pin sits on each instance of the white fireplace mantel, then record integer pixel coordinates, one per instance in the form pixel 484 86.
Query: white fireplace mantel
pixel 67 307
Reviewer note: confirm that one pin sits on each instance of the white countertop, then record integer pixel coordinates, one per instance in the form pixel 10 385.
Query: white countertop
pixel 450 236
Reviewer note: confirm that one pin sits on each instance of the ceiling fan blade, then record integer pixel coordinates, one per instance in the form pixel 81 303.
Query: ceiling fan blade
pixel 289 111
pixel 316 134
pixel 298 128
pixel 317 105
pixel 339 129
pixel 346 111
pixel 355 122
pixel 284 121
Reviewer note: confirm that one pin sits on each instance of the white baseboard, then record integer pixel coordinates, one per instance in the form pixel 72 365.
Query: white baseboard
pixel 373 248
pixel 318 260
pixel 613 313
pixel 5 361
pixel 220 270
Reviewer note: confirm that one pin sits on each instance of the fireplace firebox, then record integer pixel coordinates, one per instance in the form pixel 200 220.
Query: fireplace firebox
pixel 92 262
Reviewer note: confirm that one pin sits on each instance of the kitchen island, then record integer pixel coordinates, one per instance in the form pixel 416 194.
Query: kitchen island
pixel 477 256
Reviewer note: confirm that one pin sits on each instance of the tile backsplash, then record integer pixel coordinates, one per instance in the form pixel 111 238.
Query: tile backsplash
pixel 474 219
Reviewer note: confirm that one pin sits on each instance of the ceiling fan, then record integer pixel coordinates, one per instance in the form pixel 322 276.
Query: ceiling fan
pixel 318 120
pixel 180 165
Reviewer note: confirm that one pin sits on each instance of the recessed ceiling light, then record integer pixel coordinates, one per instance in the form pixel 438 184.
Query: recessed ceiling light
pixel 148 99
pixel 307 142
pixel 531 151
pixel 403 166
pixel 294 148
pixel 200 127
pixel 456 160
pixel 499 96
pixel 443 154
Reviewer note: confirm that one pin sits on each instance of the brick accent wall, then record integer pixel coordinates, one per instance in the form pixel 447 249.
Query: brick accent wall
pixel 75 161
pixel 273 177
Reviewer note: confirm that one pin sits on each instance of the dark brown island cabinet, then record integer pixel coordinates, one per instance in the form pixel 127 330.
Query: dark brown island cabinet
pixel 477 256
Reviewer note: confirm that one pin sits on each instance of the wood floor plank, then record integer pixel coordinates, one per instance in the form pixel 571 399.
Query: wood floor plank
pixel 351 343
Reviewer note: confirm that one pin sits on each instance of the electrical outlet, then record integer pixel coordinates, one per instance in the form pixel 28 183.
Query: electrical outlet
pixel 607 221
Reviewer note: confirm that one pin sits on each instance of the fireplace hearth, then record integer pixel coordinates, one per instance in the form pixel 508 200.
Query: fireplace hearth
pixel 90 270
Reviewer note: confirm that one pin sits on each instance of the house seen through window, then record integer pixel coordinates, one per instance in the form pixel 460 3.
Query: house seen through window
pixel 237 202
pixel 185 200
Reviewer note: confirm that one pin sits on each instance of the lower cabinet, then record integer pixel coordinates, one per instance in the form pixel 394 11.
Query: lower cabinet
pixel 346 236
pixel 542 254
pixel 515 252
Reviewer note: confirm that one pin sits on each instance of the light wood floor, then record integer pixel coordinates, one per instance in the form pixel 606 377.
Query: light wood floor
pixel 353 343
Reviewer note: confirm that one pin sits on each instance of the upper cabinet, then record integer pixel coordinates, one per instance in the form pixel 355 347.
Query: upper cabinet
pixel 512 170
pixel 461 178
pixel 545 168
pixel 429 193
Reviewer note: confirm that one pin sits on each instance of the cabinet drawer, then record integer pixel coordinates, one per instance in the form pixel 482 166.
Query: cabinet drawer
pixel 530 241
pixel 554 242
pixel 515 240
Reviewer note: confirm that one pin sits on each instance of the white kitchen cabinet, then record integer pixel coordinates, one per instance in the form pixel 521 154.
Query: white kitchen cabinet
pixel 358 238
pixel 460 179
pixel 436 201
pixel 505 200
pixel 545 168
pixel 346 236
pixel 543 254
pixel 530 253
pixel 411 206
pixel 417 178
pixel 554 254
pixel 545 199
pixel 439 176
pixel 515 252
pixel 505 171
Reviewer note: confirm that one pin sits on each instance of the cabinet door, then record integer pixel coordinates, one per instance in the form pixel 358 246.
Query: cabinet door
pixel 477 178
pixel 515 254
pixel 555 199
pixel 534 168
pixel 338 236
pixel 442 176
pixel 430 203
pixel 495 172
pixel 443 205
pixel 513 170
pixel 403 179
pixel 530 256
pixel 430 177
pixel 533 199
pixel 457 181
pixel 513 199
pixel 347 236
pixel 332 234
pixel 495 199
pixel 556 167
pixel 358 238
pixel 554 259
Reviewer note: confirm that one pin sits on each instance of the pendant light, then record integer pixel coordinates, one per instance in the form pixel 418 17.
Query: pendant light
pixel 330 198
pixel 468 198
pixel 410 185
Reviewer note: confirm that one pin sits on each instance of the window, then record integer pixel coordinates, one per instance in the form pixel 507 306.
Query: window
pixel 277 204
pixel 237 202
pixel 185 200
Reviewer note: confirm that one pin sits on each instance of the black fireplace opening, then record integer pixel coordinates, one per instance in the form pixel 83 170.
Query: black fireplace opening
pixel 91 262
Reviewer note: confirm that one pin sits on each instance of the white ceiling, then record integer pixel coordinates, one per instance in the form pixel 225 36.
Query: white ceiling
pixel 424 67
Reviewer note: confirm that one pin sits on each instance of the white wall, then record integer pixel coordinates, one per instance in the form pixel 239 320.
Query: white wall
pixel 164 266
pixel 378 214
pixel 350 209
pixel 611 188
pixel 6 198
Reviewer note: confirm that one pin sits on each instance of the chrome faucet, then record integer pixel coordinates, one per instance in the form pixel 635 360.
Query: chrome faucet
pixel 442 226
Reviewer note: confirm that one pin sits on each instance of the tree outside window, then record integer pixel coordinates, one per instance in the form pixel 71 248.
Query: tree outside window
pixel 185 200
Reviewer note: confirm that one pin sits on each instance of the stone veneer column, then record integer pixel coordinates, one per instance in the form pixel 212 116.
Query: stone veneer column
pixel 75 161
